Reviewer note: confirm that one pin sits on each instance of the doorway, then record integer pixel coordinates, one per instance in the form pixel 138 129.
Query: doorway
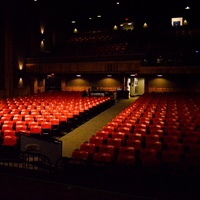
pixel 136 86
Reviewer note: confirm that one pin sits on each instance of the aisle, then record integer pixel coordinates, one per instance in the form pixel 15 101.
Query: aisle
pixel 73 139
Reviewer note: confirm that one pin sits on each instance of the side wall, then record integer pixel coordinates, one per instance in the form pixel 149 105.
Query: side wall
pixel 174 84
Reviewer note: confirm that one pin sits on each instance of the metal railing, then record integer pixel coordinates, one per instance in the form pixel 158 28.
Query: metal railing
pixel 27 161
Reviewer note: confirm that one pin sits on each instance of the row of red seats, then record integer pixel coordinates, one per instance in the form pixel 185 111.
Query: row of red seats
pixel 42 113
pixel 168 130
pixel 10 133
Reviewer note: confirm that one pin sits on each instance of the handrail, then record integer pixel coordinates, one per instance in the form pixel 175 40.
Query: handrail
pixel 28 161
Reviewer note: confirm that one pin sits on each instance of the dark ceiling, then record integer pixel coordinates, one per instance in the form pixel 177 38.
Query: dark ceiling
pixel 60 13
pixel 109 9
pixel 80 9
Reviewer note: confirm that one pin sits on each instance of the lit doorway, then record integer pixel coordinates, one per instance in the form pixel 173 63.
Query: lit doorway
pixel 136 86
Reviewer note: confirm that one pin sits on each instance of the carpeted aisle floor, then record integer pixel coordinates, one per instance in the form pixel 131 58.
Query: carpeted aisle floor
pixel 73 139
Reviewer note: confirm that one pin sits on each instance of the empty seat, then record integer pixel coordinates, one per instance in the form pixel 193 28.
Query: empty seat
pixel 170 127
pixel 153 127
pixel 102 157
pixel 41 120
pixel 9 140
pixel 106 148
pixel 170 138
pixel 152 137
pixel 19 122
pixel 8 122
pixel 127 150
pixel 109 128
pixel 6 127
pixel 46 128
pixel 175 132
pixel 80 155
pixel 137 144
pixel 187 127
pixel 156 145
pixel 103 133
pixel 31 123
pixel 89 147
pixel 119 134
pixel 140 126
pixel 148 157
pixel 171 120
pixel 135 136
pixel 116 142
pixel 35 130
pixel 145 121
pixel 140 130
pixel 28 119
pixel 9 132
pixel 98 141
pixel 127 124
pixel 176 147
pixel 125 129
pixel 159 121
pixel 126 160
pixel 54 125
pixel 114 124
pixel 20 127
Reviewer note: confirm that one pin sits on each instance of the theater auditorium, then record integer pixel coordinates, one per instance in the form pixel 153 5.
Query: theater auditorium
pixel 100 99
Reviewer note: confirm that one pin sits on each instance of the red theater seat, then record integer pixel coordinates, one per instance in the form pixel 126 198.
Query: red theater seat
pixel 116 142
pixel 98 141
pixel 102 157
pixel 119 134
pixel 35 130
pixel 127 150
pixel 6 127
pixel 156 145
pixel 9 140
pixel 103 133
pixel 80 155
pixel 106 148
pixel 126 160
pixel 9 133
pixel 135 136
pixel 137 144
pixel 149 157
pixel 89 147
pixel 20 127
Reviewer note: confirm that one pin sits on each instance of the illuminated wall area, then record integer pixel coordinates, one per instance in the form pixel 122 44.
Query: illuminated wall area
pixel 177 21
